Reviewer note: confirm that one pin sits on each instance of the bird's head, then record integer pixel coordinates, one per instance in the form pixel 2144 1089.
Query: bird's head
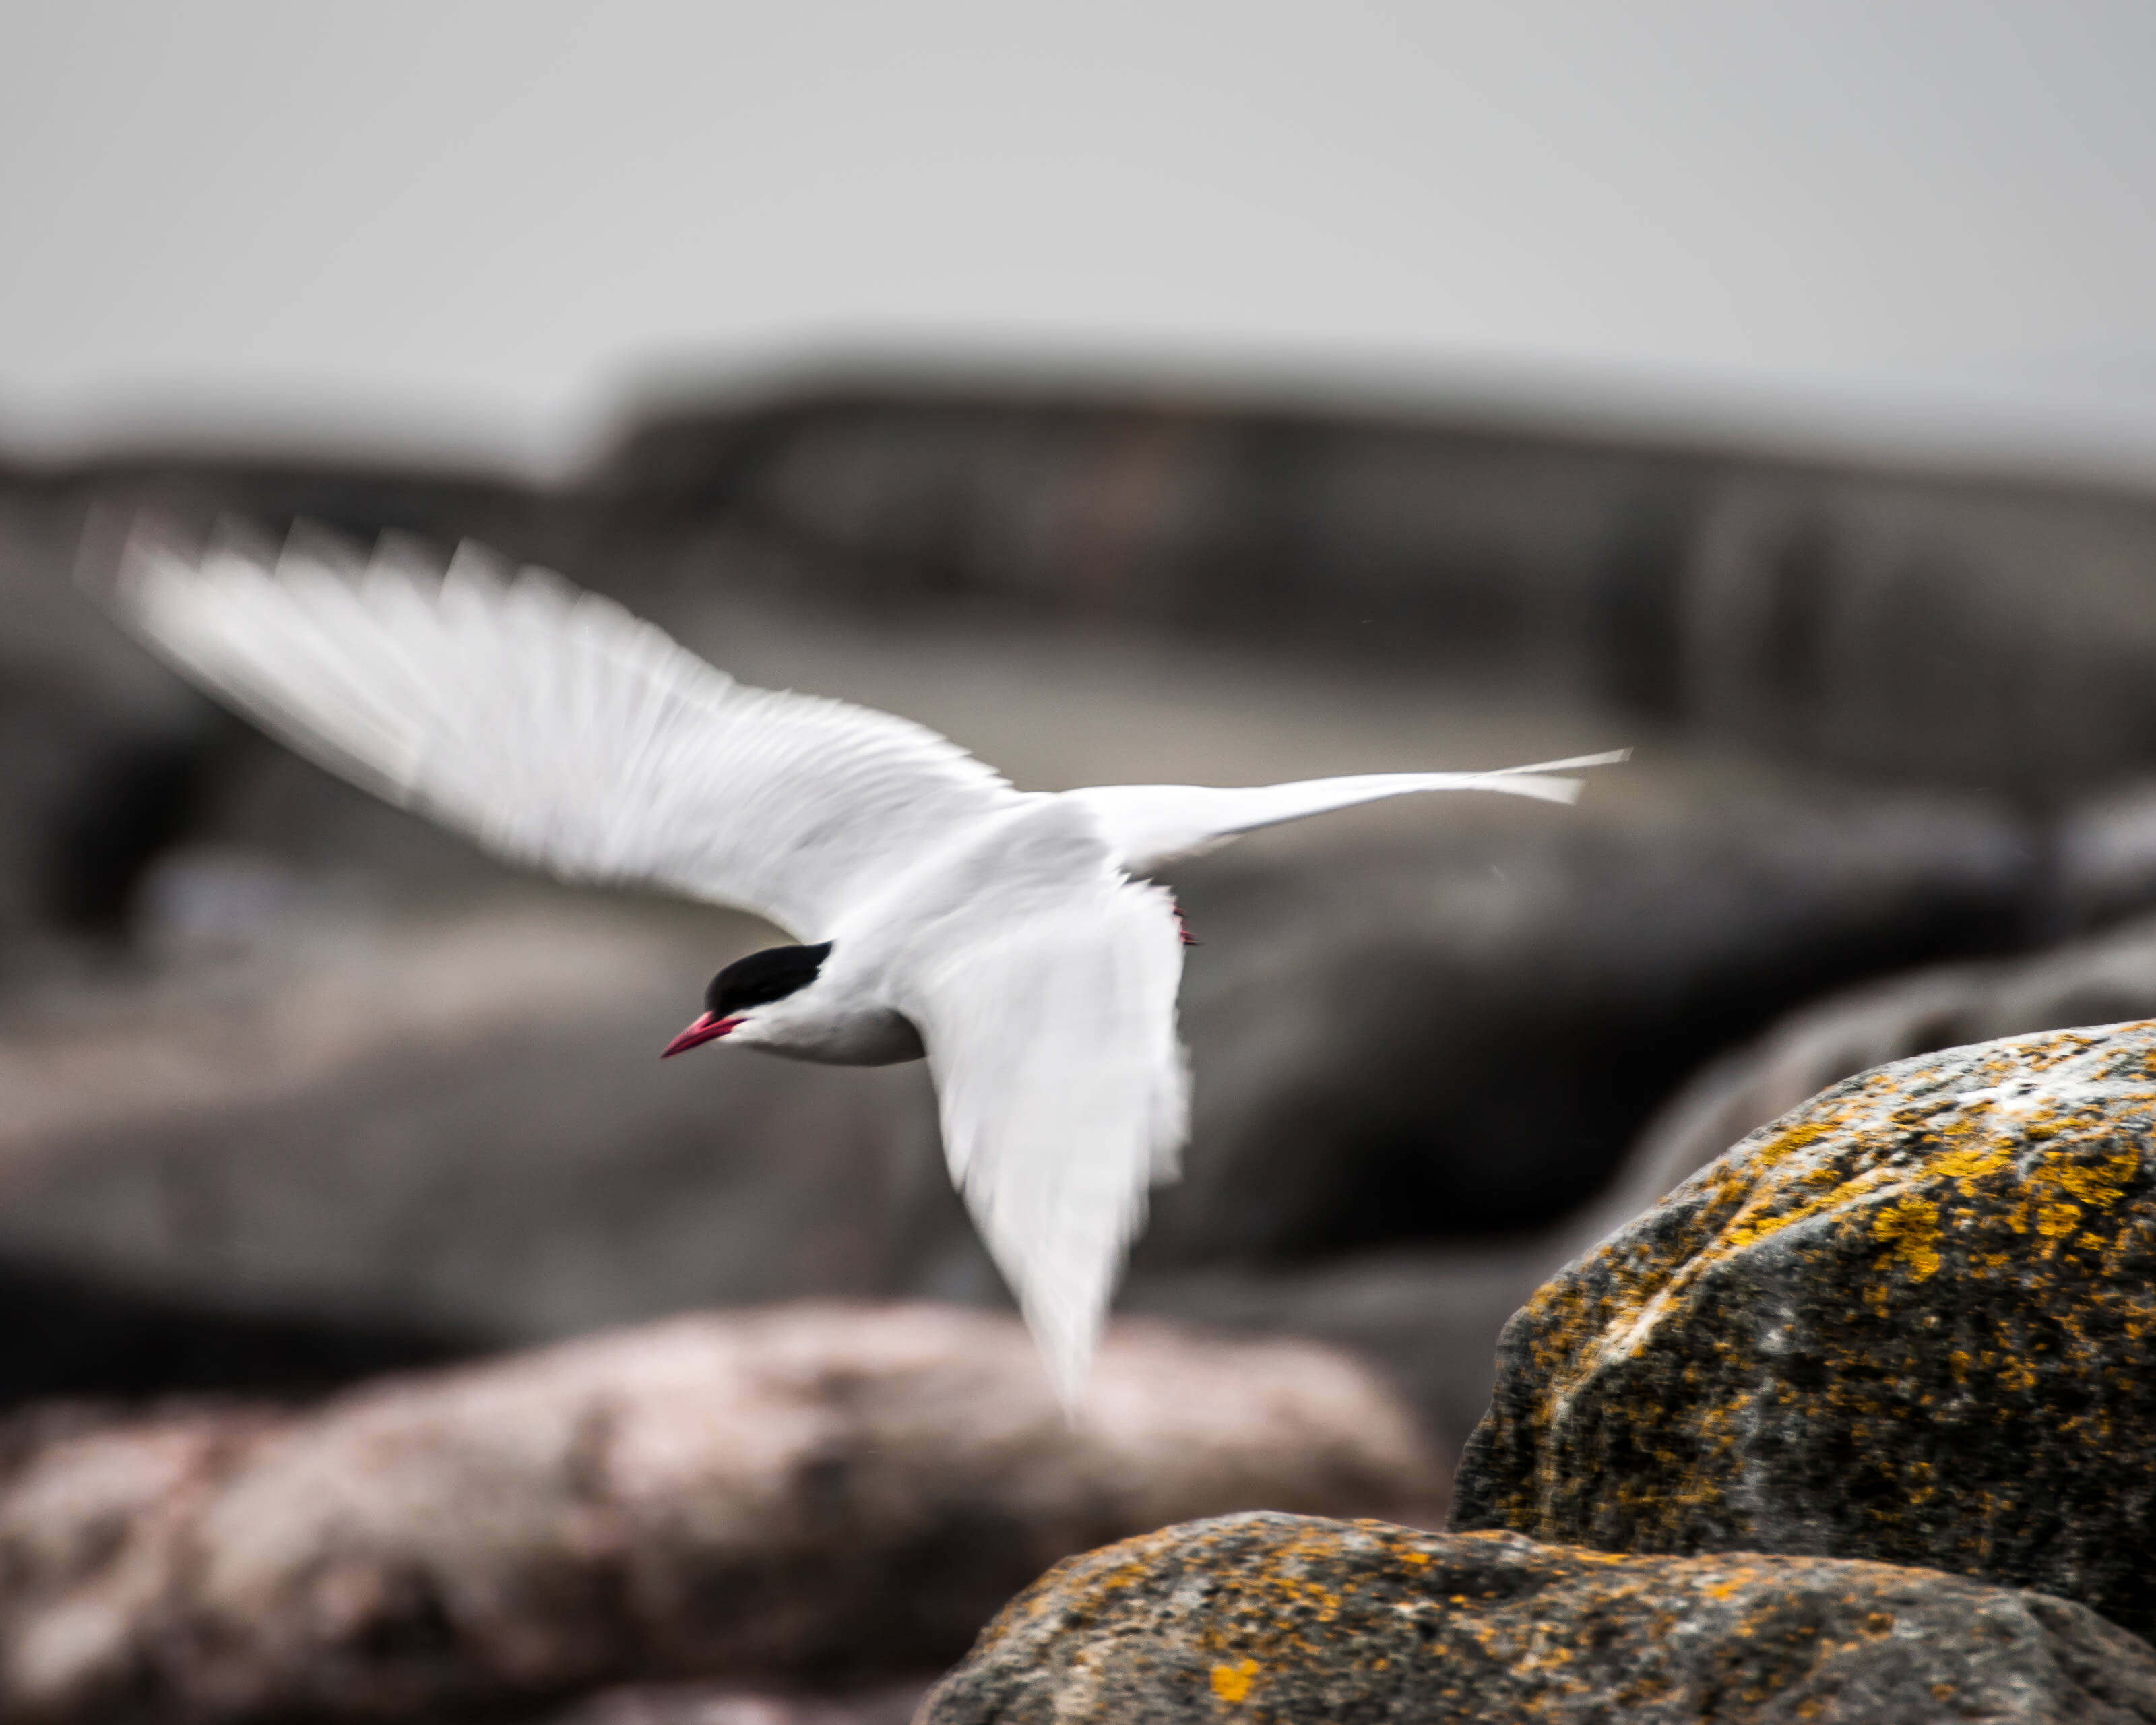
pixel 747 998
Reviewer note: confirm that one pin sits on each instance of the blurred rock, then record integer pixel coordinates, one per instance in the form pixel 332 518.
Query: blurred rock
pixel 1447 541
pixel 818 1494
pixel 2101 980
pixel 2104 858
pixel 1458 1033
pixel 74 1334
pixel 1904 1321
pixel 1995 634
pixel 1982 627
pixel 1286 1619
pixel 103 756
pixel 708 1704
pixel 458 1125
pixel 1430 1317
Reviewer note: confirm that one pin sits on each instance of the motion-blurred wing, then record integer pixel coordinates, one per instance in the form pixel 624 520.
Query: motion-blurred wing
pixel 555 729
pixel 1152 823
pixel 1050 1029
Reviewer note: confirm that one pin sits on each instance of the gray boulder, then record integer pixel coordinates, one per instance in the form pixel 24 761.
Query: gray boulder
pixel 1286 1619
pixel 1905 1321
pixel 1992 635
pixel 457 1122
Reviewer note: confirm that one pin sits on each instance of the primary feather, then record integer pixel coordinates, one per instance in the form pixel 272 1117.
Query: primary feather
pixel 558 731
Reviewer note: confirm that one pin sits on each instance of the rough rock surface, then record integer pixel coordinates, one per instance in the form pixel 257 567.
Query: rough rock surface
pixel 1289 1620
pixel 809 1494
pixel 1907 1321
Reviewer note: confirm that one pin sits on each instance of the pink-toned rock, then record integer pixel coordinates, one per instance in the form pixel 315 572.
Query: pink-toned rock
pixel 820 1493
pixel 706 1704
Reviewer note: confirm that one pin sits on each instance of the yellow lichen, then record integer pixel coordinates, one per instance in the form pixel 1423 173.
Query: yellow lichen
pixel 1787 1143
pixel 2098 1184
pixel 1232 1682
pixel 2056 1221
pixel 1910 1225
pixel 1965 1167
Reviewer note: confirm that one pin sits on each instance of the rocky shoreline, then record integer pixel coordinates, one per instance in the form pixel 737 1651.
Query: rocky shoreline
pixel 1854 1425
pixel 1851 1426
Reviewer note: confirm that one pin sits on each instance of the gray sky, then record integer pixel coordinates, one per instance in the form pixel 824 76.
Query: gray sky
pixel 472 223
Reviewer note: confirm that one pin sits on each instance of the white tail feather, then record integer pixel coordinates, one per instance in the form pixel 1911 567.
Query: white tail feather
pixel 1149 824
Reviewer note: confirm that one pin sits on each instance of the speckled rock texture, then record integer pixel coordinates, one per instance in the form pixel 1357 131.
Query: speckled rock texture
pixel 1908 1321
pixel 812 1495
pixel 1281 1619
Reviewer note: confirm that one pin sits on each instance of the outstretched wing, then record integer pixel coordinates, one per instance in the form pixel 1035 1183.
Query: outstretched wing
pixel 1049 1014
pixel 553 728
pixel 1150 825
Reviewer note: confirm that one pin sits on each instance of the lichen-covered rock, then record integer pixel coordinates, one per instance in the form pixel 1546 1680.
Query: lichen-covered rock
pixel 1908 1321
pixel 1281 1619
pixel 803 1495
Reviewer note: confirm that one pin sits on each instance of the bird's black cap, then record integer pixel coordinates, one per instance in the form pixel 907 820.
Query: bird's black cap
pixel 764 977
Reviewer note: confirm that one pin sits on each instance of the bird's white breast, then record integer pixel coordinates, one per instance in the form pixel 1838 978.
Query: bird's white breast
pixel 866 1035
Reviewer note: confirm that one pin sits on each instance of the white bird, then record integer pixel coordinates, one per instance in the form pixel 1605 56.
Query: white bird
pixel 1005 934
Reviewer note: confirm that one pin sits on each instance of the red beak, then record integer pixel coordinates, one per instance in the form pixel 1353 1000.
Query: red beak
pixel 707 1029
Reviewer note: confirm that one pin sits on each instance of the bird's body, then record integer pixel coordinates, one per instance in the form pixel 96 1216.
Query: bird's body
pixel 1004 934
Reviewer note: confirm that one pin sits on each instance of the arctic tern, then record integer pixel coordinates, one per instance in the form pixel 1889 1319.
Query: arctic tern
pixel 1008 936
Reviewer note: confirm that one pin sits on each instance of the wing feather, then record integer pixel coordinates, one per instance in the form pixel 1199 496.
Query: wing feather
pixel 553 728
pixel 1050 1027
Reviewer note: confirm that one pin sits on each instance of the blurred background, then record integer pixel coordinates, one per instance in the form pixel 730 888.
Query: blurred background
pixel 1197 391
